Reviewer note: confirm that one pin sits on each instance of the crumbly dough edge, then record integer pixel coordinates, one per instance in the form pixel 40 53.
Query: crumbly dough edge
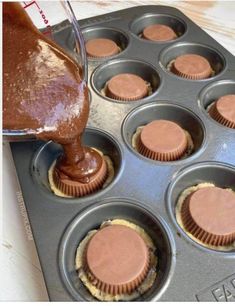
pixel 178 208
pixel 109 179
pixel 146 284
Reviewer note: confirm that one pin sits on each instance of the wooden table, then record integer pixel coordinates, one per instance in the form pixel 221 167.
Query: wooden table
pixel 21 276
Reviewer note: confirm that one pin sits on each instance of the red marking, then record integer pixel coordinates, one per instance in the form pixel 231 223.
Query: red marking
pixel 48 30
pixel 30 3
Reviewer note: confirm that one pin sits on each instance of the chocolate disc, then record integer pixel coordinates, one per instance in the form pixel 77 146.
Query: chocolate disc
pixel 101 47
pixel 159 32
pixel 162 140
pixel 191 66
pixel 74 188
pixel 126 87
pixel 223 111
pixel 209 215
pixel 117 259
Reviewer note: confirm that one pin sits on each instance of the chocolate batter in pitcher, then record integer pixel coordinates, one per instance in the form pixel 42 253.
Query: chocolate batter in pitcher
pixel 43 94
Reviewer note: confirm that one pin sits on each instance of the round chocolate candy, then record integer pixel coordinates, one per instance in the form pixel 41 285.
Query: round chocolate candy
pixel 223 111
pixel 126 87
pixel 162 140
pixel 159 32
pixel 116 259
pixel 74 188
pixel 209 215
pixel 101 47
pixel 191 66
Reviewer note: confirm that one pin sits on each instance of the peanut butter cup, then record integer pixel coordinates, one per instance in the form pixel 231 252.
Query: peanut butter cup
pixel 208 214
pixel 101 47
pixel 117 259
pixel 223 111
pixel 126 87
pixel 79 186
pixel 159 32
pixel 162 140
pixel 191 66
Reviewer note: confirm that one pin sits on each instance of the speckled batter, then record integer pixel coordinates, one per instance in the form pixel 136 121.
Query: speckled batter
pixel 178 208
pixel 146 284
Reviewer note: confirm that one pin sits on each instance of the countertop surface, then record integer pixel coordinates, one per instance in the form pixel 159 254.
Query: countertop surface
pixel 21 276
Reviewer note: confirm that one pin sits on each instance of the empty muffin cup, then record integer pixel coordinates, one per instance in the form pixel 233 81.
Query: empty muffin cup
pixel 162 140
pixel 191 66
pixel 223 111
pixel 159 32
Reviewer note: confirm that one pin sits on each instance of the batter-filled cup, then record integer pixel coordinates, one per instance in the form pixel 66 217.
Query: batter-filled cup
pixel 65 186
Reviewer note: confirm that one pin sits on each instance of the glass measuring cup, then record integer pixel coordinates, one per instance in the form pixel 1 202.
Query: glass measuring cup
pixel 45 16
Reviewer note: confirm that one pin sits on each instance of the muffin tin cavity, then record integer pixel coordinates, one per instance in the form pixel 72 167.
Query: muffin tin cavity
pixel 169 54
pixel 117 36
pixel 145 114
pixel 175 23
pixel 106 71
pixel 213 92
pixel 50 151
pixel 91 219
pixel 219 174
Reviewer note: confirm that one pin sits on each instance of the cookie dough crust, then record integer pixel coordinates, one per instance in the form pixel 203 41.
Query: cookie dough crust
pixel 146 284
pixel 178 208
pixel 106 183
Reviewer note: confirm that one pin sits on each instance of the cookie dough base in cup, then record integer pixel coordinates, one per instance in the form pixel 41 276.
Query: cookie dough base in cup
pixel 108 180
pixel 144 286
pixel 178 209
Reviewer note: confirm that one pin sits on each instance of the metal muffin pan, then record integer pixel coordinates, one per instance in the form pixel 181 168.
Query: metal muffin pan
pixel 143 191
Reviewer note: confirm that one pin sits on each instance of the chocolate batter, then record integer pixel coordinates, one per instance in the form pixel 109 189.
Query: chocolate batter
pixel 43 93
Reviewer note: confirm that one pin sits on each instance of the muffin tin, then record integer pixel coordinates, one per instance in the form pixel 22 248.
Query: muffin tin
pixel 143 191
